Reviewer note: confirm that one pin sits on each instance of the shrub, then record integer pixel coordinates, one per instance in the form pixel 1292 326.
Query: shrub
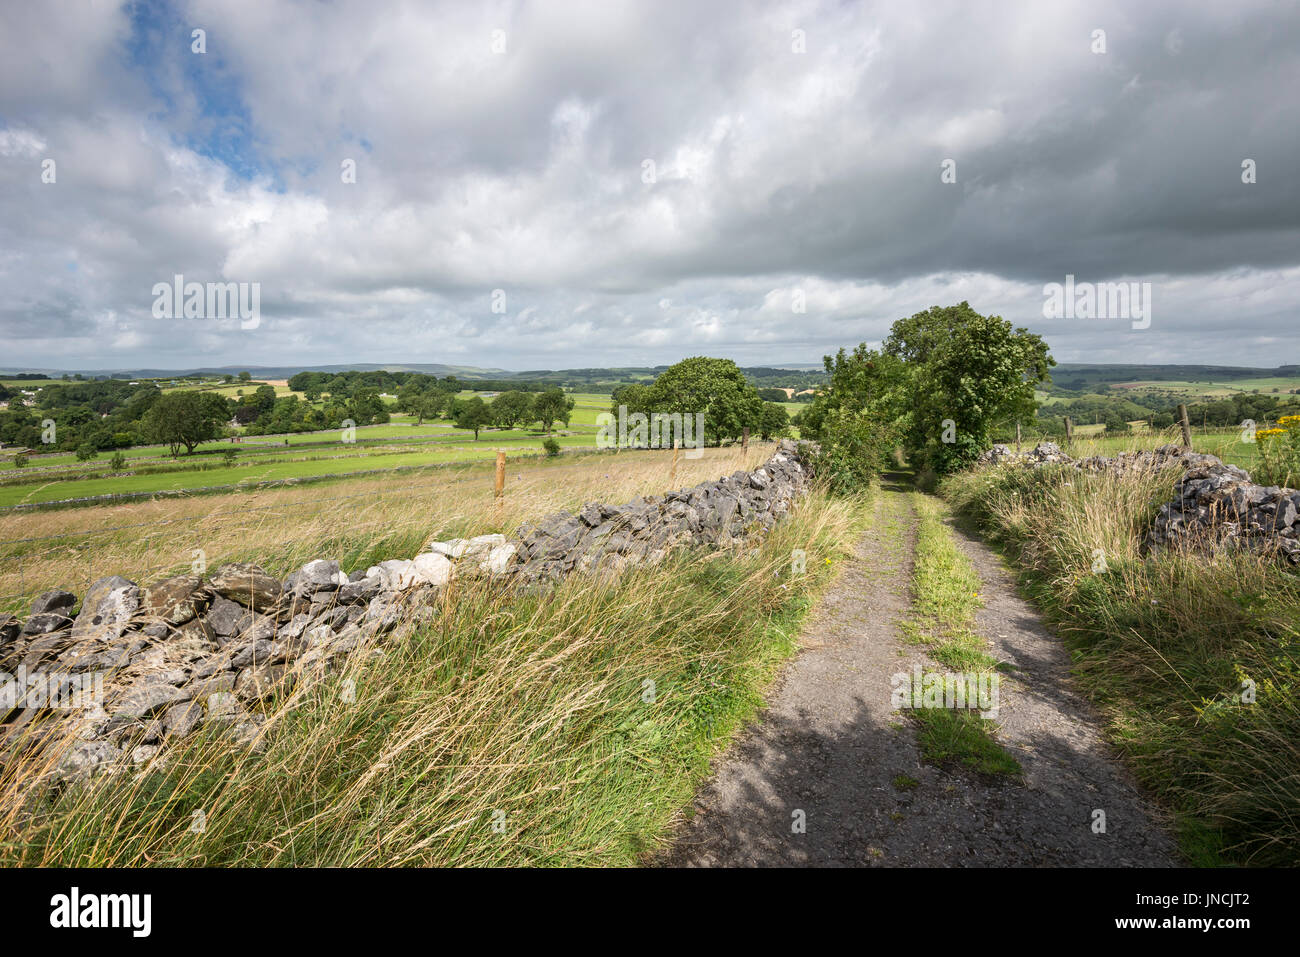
pixel 118 462
pixel 86 452
pixel 20 461
pixel 552 447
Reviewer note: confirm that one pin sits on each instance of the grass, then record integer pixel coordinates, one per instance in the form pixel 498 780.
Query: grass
pixel 945 597
pixel 569 728
pixel 1165 645
pixel 358 520
pixel 945 594
pixel 334 460
pixel 951 737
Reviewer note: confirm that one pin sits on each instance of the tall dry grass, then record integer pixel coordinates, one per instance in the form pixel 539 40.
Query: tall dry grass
pixel 1166 645
pixel 358 521
pixel 556 729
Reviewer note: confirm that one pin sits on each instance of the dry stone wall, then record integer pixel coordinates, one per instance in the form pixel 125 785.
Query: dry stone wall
pixel 134 666
pixel 1215 505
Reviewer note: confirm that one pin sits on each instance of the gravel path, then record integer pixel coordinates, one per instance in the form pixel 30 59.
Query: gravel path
pixel 831 752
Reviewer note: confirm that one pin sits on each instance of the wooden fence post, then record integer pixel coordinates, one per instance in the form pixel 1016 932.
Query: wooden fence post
pixel 1069 431
pixel 501 478
pixel 1017 437
pixel 672 476
pixel 1186 426
pixel 744 441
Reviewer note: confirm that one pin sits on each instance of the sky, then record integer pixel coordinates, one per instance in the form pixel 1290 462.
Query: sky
pixel 569 184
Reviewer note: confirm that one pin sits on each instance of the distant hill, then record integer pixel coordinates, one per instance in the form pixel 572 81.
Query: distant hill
pixel 1079 375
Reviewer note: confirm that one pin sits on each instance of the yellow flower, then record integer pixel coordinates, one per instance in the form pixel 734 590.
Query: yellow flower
pixel 1269 433
pixel 1289 420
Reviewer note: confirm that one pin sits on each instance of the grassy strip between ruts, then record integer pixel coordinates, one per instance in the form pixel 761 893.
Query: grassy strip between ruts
pixel 1194 659
pixel 567 728
pixel 945 595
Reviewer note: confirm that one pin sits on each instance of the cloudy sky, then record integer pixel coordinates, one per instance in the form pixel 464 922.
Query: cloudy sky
pixel 553 185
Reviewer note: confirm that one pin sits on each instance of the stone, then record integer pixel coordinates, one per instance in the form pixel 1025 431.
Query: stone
pixel 394 574
pixel 262 681
pixel 499 559
pixel 179 720
pixel 224 617
pixel 361 589
pixel 318 575
pixel 246 584
pixel 432 568
pixel 175 600
pixel 46 623
pixel 55 601
pixel 107 610
pixel 145 697
pixel 252 652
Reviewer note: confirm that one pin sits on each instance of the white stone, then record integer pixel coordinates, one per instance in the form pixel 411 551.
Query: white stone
pixel 431 568
pixel 498 559
pixel 394 574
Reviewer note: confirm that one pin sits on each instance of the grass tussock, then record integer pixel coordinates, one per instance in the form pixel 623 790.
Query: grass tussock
pixel 1194 659
pixel 567 728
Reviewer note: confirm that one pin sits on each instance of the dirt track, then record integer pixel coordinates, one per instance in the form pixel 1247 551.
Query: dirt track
pixel 830 748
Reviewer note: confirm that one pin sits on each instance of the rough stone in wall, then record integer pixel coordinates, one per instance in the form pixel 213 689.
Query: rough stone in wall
pixel 185 653
pixel 1215 505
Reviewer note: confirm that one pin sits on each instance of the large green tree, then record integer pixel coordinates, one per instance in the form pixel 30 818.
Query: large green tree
pixel 185 419
pixel 550 407
pixel 854 416
pixel 511 408
pixel 473 414
pixel 715 387
pixel 964 372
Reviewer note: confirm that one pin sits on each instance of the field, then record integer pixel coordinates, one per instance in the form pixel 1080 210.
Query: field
pixel 359 521
pixel 401 444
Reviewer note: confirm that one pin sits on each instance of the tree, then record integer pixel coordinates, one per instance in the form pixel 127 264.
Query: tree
pixel 964 373
pixel 511 408
pixel 185 419
pixel 774 421
pixel 550 407
pixel 715 387
pixel 426 406
pixel 1116 424
pixel 854 416
pixel 244 377
pixel 473 414
pixel 86 451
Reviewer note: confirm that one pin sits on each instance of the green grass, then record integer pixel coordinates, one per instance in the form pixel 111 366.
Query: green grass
pixel 579 722
pixel 945 597
pixel 334 460
pixel 1164 646
pixel 949 737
